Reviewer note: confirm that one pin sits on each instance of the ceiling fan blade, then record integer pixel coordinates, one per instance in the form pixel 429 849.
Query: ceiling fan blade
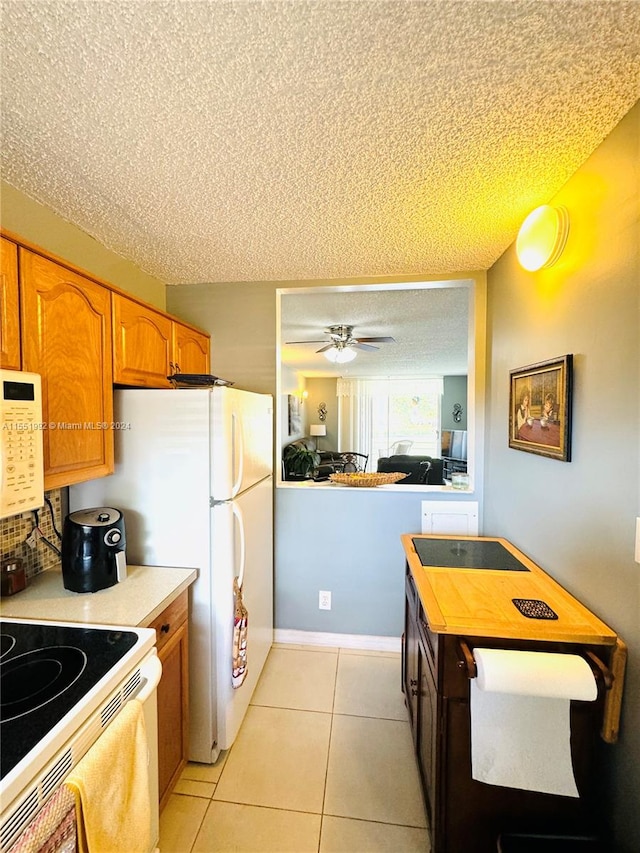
pixel 377 340
pixel 358 345
pixel 324 349
pixel 293 343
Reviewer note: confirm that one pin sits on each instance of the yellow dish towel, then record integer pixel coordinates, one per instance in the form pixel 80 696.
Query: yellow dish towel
pixel 111 788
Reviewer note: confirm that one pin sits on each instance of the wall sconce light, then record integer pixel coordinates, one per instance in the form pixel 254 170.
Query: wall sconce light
pixel 542 237
pixel 303 396
pixel 340 355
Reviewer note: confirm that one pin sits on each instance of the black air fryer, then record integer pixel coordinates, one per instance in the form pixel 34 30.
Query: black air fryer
pixel 93 549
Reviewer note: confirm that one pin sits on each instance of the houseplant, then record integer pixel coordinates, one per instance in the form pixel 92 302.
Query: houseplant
pixel 299 461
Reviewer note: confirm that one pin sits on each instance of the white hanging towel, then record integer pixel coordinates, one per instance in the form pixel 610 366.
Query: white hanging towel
pixel 240 629
pixel 520 723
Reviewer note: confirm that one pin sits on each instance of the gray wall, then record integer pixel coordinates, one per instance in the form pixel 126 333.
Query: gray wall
pixel 241 319
pixel 577 519
pixel 454 391
pixel 324 391
pixel 346 541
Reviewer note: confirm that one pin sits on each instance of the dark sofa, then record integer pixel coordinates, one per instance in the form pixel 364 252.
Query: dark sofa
pixel 422 470
pixel 331 461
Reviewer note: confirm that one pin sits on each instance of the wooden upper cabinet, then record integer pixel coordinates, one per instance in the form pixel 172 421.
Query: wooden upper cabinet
pixel 190 350
pixel 9 307
pixel 142 340
pixel 66 338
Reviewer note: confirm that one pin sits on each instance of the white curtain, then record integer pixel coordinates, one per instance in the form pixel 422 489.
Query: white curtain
pixel 359 403
pixel 364 407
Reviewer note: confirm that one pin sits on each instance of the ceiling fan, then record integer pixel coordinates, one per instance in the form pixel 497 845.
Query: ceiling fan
pixel 342 338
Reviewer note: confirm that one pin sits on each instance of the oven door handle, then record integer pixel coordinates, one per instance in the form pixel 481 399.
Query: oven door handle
pixel 151 670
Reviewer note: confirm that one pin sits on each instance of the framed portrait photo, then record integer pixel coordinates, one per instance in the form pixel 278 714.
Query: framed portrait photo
pixel 540 408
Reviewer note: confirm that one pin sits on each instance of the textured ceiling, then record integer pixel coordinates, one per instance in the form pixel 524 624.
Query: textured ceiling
pixel 309 139
pixel 430 327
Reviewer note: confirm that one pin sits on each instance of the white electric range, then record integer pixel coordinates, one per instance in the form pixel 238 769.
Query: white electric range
pixel 61 685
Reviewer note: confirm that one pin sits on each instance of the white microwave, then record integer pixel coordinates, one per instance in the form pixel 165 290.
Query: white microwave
pixel 21 453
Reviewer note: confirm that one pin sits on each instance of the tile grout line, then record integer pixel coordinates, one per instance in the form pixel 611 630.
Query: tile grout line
pixel 326 771
pixel 333 713
pixel 200 825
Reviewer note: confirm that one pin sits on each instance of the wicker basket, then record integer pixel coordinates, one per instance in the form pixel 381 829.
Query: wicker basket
pixel 367 479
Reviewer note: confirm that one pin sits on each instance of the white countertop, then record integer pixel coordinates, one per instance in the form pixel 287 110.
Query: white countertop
pixel 147 591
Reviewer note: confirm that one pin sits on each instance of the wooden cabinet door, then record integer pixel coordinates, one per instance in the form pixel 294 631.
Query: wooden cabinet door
pixel 427 731
pixel 172 643
pixel 411 658
pixel 9 307
pixel 66 338
pixel 190 350
pixel 172 713
pixel 142 341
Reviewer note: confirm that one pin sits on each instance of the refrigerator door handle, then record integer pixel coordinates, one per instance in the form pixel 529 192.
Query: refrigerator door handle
pixel 237 450
pixel 243 543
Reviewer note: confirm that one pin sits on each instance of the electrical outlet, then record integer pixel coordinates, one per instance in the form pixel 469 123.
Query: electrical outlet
pixel 324 600
pixel 32 538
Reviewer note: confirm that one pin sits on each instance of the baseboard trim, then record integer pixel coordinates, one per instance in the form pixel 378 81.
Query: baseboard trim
pixel 346 641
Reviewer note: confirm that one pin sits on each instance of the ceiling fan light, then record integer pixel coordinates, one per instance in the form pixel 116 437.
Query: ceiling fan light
pixel 340 355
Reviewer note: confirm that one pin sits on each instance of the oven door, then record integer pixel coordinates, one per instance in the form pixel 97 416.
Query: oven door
pixel 141 683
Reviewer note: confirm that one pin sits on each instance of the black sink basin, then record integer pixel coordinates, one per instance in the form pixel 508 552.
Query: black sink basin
pixel 467 554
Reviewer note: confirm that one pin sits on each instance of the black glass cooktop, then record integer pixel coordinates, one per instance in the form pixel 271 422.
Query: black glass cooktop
pixel 45 670
pixel 467 554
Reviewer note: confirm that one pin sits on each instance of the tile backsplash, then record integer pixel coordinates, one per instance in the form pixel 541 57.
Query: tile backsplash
pixel 15 531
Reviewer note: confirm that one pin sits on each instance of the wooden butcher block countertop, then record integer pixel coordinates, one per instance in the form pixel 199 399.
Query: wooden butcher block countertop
pixel 477 602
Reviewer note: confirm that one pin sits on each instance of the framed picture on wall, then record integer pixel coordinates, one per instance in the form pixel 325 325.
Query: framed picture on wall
pixel 295 420
pixel 540 408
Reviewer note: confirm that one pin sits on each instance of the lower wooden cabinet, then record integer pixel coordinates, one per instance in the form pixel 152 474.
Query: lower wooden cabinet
pixel 172 642
pixel 464 814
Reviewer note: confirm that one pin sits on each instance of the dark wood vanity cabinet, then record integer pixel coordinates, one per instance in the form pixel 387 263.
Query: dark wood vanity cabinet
pixel 463 814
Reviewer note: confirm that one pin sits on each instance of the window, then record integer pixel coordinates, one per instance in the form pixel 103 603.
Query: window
pixel 379 416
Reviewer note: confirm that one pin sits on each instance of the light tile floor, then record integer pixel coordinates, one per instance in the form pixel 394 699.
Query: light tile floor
pixel 323 763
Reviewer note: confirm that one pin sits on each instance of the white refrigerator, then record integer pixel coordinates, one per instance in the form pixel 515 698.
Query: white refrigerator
pixel 193 476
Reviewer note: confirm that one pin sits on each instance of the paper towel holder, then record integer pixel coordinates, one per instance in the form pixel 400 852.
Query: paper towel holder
pixel 467 661
pixel 605 672
pixel 611 678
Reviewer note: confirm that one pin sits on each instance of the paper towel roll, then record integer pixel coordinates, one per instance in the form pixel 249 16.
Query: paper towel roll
pixel 520 718
pixel 535 674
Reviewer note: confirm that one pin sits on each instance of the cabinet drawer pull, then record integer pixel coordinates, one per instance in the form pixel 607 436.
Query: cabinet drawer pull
pixel 414 692
pixel 413 682
pixel 165 628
